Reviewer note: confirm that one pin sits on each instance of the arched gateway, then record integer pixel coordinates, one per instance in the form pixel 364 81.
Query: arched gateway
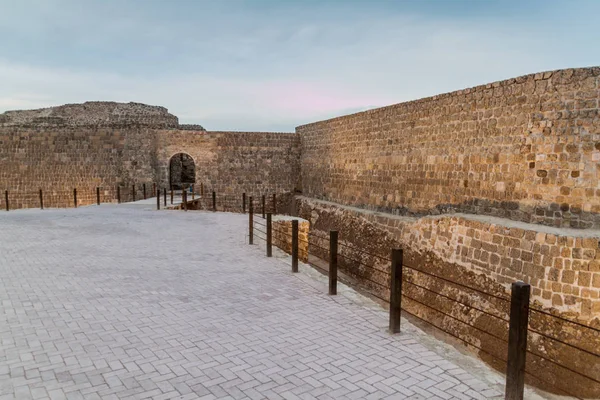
pixel 182 171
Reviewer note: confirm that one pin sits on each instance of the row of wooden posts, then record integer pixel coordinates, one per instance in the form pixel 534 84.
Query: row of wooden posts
pixel 41 196
pixel 519 304
pixel 183 195
pixel 214 202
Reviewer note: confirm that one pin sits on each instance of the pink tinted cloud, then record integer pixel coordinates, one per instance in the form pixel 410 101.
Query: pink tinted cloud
pixel 307 98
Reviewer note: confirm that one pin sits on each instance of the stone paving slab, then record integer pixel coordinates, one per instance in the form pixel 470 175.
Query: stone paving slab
pixel 123 302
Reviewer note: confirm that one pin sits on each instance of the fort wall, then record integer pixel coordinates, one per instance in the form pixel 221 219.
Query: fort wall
pixel 525 149
pixel 480 187
pixel 106 145
pixel 232 163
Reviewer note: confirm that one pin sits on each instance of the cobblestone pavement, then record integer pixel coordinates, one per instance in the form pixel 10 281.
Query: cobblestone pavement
pixel 123 302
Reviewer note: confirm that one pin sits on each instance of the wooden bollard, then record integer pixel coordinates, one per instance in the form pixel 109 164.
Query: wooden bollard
pixel 333 261
pixel 251 223
pixel 396 290
pixel 75 197
pixel 158 199
pixel 274 204
pixel 269 236
pixel 41 200
pixel 244 203
pixel 118 194
pixel 98 196
pixel 165 197
pixel 214 200
pixel 144 189
pixel 263 206
pixel 517 341
pixel 6 200
pixel 295 245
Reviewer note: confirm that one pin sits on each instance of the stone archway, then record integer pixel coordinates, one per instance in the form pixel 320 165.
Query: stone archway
pixel 182 171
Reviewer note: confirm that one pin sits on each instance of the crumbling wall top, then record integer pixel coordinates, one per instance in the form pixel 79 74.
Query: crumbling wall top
pixel 93 113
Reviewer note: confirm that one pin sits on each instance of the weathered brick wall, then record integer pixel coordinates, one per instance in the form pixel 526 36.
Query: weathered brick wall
pixel 282 235
pixel 486 254
pixel 60 158
pixel 525 149
pixel 98 144
pixel 232 163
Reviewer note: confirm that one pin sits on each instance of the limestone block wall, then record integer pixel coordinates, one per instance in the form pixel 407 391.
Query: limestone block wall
pixel 526 149
pixel 486 255
pixel 105 144
pixel 232 163
pixel 59 158
pixel 282 235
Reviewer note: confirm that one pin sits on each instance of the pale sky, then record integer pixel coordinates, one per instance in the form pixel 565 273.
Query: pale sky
pixel 274 64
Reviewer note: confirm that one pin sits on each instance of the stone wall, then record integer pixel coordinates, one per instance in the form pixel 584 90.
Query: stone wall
pixel 92 114
pixel 282 235
pixel 232 163
pixel 99 144
pixel 473 260
pixel 526 149
pixel 58 159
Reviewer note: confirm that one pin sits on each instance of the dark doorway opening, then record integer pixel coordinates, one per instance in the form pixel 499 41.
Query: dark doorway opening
pixel 182 171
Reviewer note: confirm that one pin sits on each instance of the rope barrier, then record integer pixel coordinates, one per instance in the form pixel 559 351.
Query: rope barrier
pixel 459 284
pixel 563 319
pixel 456 301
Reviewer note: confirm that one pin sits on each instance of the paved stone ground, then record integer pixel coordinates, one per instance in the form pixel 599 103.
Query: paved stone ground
pixel 122 302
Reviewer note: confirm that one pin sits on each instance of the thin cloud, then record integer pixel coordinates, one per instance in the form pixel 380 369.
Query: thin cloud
pixel 271 65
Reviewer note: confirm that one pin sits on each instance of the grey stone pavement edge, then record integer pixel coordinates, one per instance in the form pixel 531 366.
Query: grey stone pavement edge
pixel 124 302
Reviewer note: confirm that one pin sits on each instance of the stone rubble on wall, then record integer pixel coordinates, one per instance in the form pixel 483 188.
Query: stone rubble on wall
pixel 92 113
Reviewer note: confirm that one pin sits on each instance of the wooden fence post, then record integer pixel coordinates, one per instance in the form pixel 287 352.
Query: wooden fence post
pixel 158 199
pixel 41 200
pixel 396 290
pixel 165 197
pixel 214 201
pixel 244 202
pixel 98 196
pixel 118 194
pixel 133 192
pixel 517 341
pixel 333 261
pixel 251 223
pixel 263 206
pixel 171 195
pixel 6 200
pixel 144 189
pixel 295 245
pixel 75 197
pixel 269 236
